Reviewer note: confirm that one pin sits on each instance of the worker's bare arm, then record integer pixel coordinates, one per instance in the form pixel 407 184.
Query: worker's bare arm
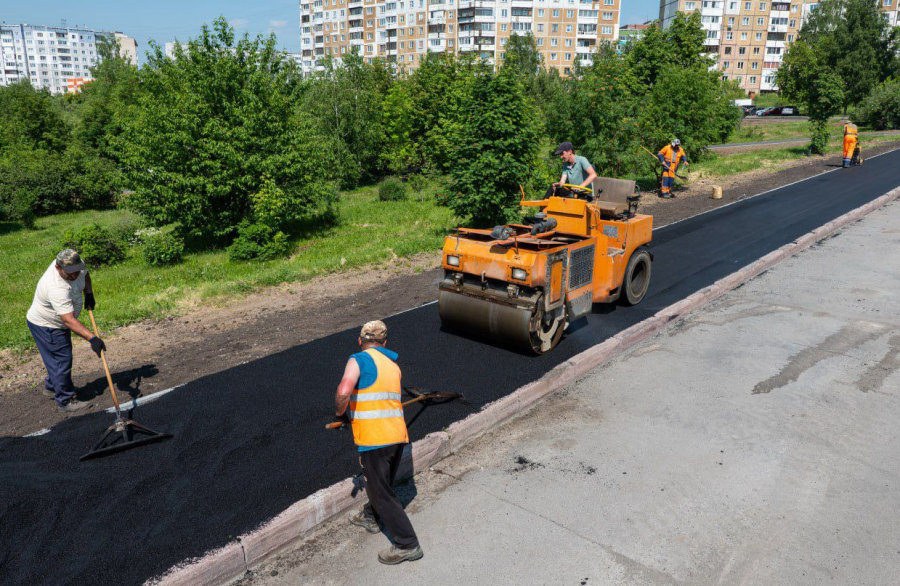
pixel 76 326
pixel 346 388
pixel 590 178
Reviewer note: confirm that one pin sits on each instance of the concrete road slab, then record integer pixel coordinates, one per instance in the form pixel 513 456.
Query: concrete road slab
pixel 756 444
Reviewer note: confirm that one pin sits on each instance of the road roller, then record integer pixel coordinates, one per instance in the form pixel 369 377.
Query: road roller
pixel 522 284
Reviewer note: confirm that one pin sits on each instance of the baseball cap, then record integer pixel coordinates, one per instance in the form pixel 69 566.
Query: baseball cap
pixel 70 261
pixel 374 331
pixel 564 146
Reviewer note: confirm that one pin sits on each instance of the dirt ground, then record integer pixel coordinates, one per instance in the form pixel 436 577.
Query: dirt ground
pixel 151 356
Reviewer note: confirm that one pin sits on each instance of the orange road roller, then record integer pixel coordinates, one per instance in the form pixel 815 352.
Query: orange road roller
pixel 522 284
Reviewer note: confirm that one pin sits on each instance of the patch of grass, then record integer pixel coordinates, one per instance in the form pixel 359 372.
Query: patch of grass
pixel 758 131
pixel 365 231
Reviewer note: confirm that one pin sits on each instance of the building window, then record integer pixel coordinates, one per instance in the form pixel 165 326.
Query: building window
pixel 726 64
pixel 554 42
pixel 762 6
pixel 570 13
pixel 541 13
pixel 690 6
pixel 752 80
pixel 568 42
pixel 540 28
pixel 728 50
pixel 754 65
pixel 790 38
pixel 729 36
pixel 742 50
pixel 730 20
pixel 607 16
pixel 740 64
pixel 606 30
pixel 759 36
pixel 540 42
pixel 756 50
pixel 503 27
pixel 568 28
pixel 747 6
pixel 555 13
pixel 760 22
pixel 743 36
pixel 745 21
pixel 552 56
pixel 554 28
pixel 568 56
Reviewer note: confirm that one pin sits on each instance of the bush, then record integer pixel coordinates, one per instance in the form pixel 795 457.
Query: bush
pixel 881 110
pixel 418 182
pixel 258 242
pixel 163 248
pixel 96 245
pixel 392 189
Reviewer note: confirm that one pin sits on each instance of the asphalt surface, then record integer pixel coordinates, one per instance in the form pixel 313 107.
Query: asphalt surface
pixel 249 441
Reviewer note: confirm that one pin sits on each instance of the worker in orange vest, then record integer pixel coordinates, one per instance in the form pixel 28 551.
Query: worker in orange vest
pixel 851 140
pixel 671 156
pixel 369 398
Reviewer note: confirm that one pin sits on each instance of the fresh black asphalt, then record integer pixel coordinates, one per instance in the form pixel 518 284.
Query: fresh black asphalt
pixel 249 441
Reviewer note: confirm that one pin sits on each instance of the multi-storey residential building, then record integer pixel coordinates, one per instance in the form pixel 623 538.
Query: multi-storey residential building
pixel 54 58
pixel 750 37
pixel 404 31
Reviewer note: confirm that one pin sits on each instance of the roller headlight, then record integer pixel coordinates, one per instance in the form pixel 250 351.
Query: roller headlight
pixel 452 260
pixel 519 274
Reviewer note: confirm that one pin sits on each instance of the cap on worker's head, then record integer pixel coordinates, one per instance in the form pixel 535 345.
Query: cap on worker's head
pixel 70 261
pixel 563 147
pixel 374 331
pixel 676 142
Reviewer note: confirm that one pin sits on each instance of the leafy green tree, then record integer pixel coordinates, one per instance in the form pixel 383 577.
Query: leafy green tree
pixel 853 39
pixel 494 147
pixel 114 88
pixel 30 119
pixel 804 77
pixel 523 57
pixel 348 100
pixel 212 127
pixel 881 110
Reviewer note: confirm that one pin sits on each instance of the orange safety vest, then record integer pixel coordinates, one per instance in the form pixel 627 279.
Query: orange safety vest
pixel 850 130
pixel 672 159
pixel 376 412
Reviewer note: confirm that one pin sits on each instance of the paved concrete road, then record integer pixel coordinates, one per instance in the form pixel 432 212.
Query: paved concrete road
pixel 757 443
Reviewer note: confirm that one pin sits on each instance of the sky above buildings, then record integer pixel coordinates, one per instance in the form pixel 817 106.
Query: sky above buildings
pixel 167 20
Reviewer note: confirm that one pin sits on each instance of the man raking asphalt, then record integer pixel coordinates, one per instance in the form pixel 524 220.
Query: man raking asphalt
pixel 368 397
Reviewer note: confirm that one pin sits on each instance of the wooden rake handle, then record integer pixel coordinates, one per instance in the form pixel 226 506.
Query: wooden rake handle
pixel 112 391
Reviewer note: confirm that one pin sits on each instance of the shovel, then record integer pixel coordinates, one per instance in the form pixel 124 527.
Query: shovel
pixel 124 433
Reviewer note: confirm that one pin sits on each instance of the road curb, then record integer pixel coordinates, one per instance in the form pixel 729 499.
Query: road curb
pixel 300 519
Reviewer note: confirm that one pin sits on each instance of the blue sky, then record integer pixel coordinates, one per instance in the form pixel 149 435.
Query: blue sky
pixel 165 20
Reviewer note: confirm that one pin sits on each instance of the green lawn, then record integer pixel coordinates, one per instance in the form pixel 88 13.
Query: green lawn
pixel 770 130
pixel 772 159
pixel 366 231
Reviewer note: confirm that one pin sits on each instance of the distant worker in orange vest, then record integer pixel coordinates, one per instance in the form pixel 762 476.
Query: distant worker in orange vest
pixel 369 398
pixel 671 156
pixel 851 140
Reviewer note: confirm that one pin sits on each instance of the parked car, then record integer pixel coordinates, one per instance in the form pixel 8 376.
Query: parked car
pixel 790 111
pixel 764 111
pixel 751 110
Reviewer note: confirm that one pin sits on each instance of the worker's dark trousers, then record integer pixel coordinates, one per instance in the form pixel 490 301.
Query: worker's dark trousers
pixel 55 346
pixel 380 468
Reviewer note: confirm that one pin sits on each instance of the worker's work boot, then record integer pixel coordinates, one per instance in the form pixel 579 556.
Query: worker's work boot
pixel 48 393
pixel 365 520
pixel 395 555
pixel 72 406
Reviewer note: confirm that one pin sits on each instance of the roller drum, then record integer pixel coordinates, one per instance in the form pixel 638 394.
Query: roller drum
pixel 504 324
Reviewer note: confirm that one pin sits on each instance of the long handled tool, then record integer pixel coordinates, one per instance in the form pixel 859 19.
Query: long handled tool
pixel 426 397
pixel 122 434
pixel 682 177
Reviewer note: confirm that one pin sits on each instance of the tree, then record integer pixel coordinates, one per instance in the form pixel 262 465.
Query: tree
pixel 494 147
pixel 212 127
pixel 29 119
pixel 852 39
pixel 881 110
pixel 804 78
pixel 523 57
pixel 348 99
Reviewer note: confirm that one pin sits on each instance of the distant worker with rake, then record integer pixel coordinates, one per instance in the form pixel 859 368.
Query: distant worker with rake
pixel 53 317
pixel 851 144
pixel 369 398
pixel 671 157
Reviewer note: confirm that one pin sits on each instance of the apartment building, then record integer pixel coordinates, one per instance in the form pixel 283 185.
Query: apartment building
pixel 404 31
pixel 54 58
pixel 750 37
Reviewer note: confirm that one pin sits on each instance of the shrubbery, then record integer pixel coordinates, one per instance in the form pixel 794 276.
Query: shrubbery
pixel 391 189
pixel 881 110
pixel 96 245
pixel 162 248
pixel 258 242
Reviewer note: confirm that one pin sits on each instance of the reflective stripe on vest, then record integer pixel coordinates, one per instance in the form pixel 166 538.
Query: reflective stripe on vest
pixel 851 130
pixel 376 414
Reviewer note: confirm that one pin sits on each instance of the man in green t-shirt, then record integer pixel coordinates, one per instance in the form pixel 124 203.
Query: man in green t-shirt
pixel 577 170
